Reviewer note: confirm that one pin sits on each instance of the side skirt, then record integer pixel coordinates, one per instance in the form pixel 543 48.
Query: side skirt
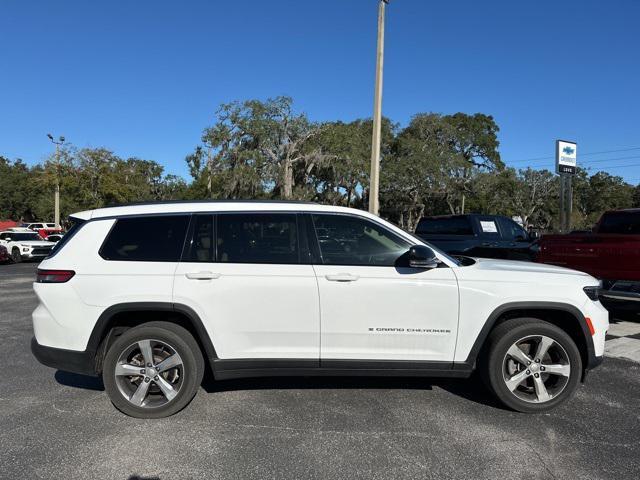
pixel 246 368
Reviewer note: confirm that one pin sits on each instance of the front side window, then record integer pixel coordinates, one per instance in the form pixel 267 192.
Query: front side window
pixel 621 223
pixel 146 239
pixel 257 238
pixel 349 240
pixel 511 230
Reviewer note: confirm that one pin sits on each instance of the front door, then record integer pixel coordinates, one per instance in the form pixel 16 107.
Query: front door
pixel 373 306
pixel 245 279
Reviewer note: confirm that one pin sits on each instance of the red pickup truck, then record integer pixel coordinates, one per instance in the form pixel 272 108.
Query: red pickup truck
pixel 610 252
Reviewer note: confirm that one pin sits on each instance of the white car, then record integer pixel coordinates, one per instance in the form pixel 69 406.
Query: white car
pixel 146 294
pixel 24 244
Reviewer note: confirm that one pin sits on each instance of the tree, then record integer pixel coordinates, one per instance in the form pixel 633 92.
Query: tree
pixel 257 148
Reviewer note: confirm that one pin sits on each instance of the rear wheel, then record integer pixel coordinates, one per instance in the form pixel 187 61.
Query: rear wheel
pixel 531 365
pixel 153 370
pixel 15 255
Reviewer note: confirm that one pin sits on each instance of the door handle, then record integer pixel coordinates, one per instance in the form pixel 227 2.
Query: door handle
pixel 342 277
pixel 202 275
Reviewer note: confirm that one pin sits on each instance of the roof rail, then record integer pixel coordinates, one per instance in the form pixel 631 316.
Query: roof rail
pixel 169 202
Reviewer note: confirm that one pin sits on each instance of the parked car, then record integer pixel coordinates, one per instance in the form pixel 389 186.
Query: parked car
pixel 25 245
pixel 474 235
pixel 4 254
pixel 44 229
pixel 610 252
pixel 279 288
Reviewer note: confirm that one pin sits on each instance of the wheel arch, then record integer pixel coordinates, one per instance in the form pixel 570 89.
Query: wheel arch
pixel 565 316
pixel 117 318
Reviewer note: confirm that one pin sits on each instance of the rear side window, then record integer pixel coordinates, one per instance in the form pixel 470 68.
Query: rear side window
pixel 257 238
pixel 445 226
pixel 202 242
pixel 146 239
pixel 622 223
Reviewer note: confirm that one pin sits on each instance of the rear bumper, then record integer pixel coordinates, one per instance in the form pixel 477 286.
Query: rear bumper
pixel 75 361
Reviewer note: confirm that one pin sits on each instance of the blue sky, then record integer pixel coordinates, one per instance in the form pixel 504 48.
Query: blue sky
pixel 144 78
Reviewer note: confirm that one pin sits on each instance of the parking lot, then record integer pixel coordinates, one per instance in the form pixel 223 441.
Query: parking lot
pixel 59 425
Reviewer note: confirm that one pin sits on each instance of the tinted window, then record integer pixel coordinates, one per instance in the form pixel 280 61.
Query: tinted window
pixel 621 223
pixel 146 239
pixel 257 238
pixel 347 240
pixel 511 230
pixel 202 243
pixel 24 237
pixel 445 226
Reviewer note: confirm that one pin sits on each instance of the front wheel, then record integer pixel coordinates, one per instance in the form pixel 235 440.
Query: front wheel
pixel 153 370
pixel 15 256
pixel 531 365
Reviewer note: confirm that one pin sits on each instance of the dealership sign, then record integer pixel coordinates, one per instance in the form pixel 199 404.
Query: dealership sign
pixel 566 157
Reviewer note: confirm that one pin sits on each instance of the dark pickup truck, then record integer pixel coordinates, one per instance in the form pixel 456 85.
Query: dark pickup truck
pixel 610 252
pixel 475 235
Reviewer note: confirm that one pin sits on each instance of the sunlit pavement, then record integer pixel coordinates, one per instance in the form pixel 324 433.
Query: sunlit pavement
pixel 59 425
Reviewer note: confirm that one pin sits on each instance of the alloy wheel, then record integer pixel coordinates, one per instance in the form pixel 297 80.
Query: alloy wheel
pixel 536 369
pixel 149 373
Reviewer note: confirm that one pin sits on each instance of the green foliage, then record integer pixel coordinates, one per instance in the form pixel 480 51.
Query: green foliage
pixel 437 164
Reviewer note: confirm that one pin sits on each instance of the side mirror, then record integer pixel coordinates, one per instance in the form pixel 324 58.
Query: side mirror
pixel 421 256
pixel 534 235
pixel 7 239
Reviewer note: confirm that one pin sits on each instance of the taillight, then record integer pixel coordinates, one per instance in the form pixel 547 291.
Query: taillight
pixel 54 276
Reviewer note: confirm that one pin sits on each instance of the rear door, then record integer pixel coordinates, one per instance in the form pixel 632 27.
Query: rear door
pixel 247 277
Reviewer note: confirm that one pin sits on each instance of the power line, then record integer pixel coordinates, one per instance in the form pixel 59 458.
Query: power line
pixel 581 154
pixel 600 160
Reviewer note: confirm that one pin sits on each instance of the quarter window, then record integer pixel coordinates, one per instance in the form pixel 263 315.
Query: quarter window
pixel 257 238
pixel 146 239
pixel 348 240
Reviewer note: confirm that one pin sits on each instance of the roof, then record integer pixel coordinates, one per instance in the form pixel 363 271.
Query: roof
pixel 212 206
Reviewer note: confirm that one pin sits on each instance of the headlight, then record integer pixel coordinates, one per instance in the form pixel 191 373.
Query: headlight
pixel 593 292
pixel 25 249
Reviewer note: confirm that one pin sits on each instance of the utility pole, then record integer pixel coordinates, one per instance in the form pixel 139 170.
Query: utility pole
pixel 56 206
pixel 374 187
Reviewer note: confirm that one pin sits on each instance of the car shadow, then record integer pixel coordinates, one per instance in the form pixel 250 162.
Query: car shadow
pixel 79 381
pixel 471 389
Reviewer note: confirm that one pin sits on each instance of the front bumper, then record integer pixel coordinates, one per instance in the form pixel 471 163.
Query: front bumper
pixel 74 361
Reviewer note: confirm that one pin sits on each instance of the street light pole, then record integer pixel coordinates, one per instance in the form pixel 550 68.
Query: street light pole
pixel 56 203
pixel 374 187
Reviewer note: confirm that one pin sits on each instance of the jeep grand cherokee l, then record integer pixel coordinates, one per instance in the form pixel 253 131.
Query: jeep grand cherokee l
pixel 275 288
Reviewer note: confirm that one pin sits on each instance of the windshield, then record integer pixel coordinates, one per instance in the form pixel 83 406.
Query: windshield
pixel 23 237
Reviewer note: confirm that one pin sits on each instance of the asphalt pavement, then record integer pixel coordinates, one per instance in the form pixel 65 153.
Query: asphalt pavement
pixel 59 425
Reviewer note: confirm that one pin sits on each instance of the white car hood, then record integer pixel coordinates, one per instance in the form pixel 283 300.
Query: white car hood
pixel 516 266
pixel 35 243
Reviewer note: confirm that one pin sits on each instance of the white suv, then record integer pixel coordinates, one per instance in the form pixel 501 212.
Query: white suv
pixel 24 244
pixel 146 294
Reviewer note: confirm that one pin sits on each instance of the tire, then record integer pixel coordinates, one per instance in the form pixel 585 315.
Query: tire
pixel 144 392
pixel 540 385
pixel 15 255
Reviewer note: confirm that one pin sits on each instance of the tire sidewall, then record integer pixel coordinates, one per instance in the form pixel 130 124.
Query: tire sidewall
pixel 499 350
pixel 193 367
pixel 15 255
